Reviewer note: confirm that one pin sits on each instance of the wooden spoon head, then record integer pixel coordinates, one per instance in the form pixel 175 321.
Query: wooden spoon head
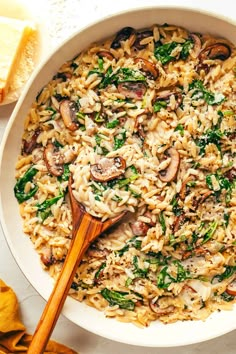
pixel 79 213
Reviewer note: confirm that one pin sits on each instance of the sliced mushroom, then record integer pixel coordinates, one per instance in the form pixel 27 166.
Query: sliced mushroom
pixel 231 288
pixel 149 215
pixel 197 45
pixel 54 160
pixel 105 54
pixel 161 311
pixel 140 36
pixel 95 252
pixel 183 190
pixel 31 143
pixel 169 174
pixel 231 174
pixel 215 51
pixel 198 251
pixel 108 168
pixel 178 222
pixel 139 228
pixel 46 257
pixel 62 76
pixel 68 111
pixel 200 200
pixel 165 96
pixel 132 89
pixel 147 66
pixel 121 36
pixel 202 66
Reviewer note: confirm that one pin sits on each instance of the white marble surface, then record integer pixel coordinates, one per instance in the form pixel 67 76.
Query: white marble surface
pixel 80 13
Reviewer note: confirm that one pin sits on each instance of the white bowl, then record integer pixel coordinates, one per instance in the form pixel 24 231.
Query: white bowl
pixel 157 335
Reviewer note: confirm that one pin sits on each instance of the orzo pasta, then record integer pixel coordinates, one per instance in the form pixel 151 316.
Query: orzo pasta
pixel 145 122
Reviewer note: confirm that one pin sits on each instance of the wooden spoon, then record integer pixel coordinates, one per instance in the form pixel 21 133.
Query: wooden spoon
pixel 86 229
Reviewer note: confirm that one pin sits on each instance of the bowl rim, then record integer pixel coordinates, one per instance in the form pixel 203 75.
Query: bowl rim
pixel 45 294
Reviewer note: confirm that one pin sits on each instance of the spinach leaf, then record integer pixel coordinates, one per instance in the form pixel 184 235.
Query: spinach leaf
pixel 132 176
pixel 138 272
pixel 49 202
pixel 19 188
pixel 186 47
pixel 121 75
pixel 210 137
pixel 177 210
pixel 163 52
pixel 108 78
pixel 101 149
pixel 127 74
pixel 210 232
pixel 157 258
pixel 229 271
pixel 227 297
pixel 180 129
pixel 164 279
pixel 100 64
pixel 182 274
pixel 162 222
pixel 44 210
pixel 112 124
pixel 52 111
pixel 100 269
pixel 133 242
pixel 222 183
pixel 118 298
pixel 226 218
pixel 66 173
pixel 201 92
pixel 119 140
pixel 158 105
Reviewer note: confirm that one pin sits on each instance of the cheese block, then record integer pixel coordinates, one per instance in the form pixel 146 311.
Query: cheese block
pixel 14 35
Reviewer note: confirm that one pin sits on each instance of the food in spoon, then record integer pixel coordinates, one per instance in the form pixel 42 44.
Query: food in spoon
pixel 144 122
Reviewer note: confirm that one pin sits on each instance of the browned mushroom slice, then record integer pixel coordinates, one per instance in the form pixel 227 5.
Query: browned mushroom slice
pixel 203 67
pixel 139 228
pixel 148 215
pixel 198 252
pixel 231 288
pixel 94 252
pixel 121 36
pixel 46 257
pixel 31 143
pixel 108 168
pixel 216 51
pixel 131 89
pixel 178 222
pixel 183 190
pixel 165 96
pixel 171 171
pixel 105 54
pixel 200 200
pixel 140 36
pixel 161 311
pixel 147 66
pixel 62 76
pixel 54 160
pixel 197 44
pixel 231 174
pixel 68 111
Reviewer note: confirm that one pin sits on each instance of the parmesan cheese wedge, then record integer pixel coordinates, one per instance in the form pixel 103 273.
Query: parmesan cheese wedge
pixel 14 35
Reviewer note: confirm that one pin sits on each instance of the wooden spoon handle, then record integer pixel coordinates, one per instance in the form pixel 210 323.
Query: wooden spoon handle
pixel 87 230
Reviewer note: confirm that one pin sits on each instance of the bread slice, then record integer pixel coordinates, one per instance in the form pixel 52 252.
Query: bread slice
pixel 14 35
